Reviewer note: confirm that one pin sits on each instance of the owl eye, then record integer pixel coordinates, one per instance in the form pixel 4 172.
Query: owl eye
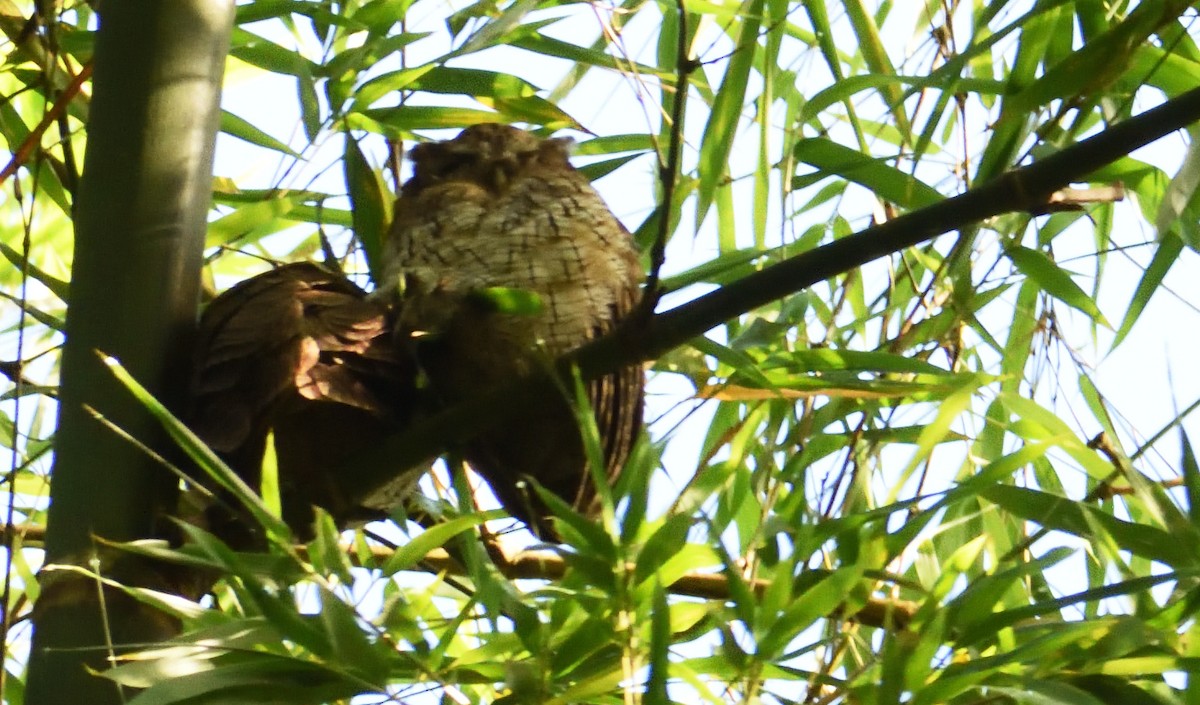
pixel 437 164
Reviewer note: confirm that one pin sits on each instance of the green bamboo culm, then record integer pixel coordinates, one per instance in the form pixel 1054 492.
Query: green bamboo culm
pixel 140 217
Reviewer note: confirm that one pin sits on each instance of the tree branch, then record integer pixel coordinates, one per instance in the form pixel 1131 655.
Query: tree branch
pixel 668 170
pixel 542 565
pixel 1027 189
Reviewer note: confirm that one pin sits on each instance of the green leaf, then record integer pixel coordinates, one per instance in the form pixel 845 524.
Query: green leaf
pixel 325 550
pixel 579 529
pixel 265 678
pixel 409 118
pixel 662 545
pixel 1055 281
pixel 598 170
pixel 848 86
pixel 726 110
pixel 1165 257
pixel 198 452
pixel 612 144
pixel 543 46
pixel 57 286
pixel 819 601
pixel 887 182
pixel 370 205
pixel 1191 477
pixel 268 55
pixel 268 487
pixel 410 553
pixel 233 125
pixel 269 9
pixel 1089 523
pixel 1037 423
pixel 1179 199
pixel 828 359
pixel 494 32
pixel 870 46
pixel 267 215
pixel 1042 692
pixel 660 642
pixel 512 97
pixel 1089 70
pixel 350 647
pixel 310 105
pixel 986 594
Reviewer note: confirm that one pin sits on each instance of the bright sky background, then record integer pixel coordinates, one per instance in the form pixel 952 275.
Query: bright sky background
pixel 1149 378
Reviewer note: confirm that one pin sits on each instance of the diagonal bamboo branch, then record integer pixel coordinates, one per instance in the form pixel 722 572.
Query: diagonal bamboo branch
pixel 1028 189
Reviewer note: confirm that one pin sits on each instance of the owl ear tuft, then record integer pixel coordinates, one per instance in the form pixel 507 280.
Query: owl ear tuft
pixel 557 148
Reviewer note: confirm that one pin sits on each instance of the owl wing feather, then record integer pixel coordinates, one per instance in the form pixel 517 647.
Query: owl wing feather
pixel 300 352
pixel 617 400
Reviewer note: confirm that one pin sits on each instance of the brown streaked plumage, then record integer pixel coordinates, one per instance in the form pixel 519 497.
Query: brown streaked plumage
pixel 499 208
pixel 302 352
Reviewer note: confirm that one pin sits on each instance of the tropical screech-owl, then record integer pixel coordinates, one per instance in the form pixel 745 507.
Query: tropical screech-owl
pixel 299 352
pixel 303 353
pixel 491 211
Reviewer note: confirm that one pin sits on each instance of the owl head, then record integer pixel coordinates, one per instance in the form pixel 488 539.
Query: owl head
pixel 488 154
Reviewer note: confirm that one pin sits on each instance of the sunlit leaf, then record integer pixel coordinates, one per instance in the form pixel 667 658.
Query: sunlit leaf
pixel 1054 281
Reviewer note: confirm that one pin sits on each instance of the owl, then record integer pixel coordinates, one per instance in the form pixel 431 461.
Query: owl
pixel 299 352
pixel 494 215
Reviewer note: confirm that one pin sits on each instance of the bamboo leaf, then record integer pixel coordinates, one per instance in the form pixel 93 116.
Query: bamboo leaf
pixel 1062 514
pixel 414 550
pixel 726 110
pixel 370 206
pixel 243 130
pixel 1164 258
pixel 1055 281
pixel 660 641
pixel 885 181
pixel 200 453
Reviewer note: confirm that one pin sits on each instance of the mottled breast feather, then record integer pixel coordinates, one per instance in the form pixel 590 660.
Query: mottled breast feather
pixel 498 209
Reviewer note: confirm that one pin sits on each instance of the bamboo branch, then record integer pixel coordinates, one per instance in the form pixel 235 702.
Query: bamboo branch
pixel 1029 189
pixel 544 565
pixel 34 139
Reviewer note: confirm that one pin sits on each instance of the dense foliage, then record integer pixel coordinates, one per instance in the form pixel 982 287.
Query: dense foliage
pixel 940 477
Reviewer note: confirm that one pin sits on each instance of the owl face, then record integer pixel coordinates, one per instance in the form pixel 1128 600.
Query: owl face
pixel 500 208
pixel 489 154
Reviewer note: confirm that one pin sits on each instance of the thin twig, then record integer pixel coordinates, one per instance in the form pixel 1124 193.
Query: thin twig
pixel 34 138
pixel 1026 189
pixel 668 171
pixel 545 565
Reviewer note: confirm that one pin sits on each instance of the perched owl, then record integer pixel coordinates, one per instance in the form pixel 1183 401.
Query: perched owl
pixel 493 212
pixel 302 353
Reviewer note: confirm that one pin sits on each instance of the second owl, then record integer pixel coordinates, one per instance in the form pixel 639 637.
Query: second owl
pixel 498 210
